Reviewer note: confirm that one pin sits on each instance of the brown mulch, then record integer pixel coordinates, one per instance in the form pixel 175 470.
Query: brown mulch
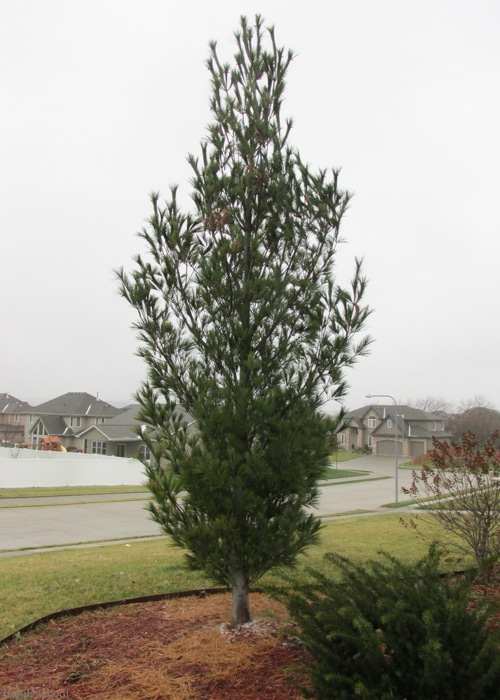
pixel 180 648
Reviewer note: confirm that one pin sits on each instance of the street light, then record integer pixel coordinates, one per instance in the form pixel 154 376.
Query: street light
pixel 388 396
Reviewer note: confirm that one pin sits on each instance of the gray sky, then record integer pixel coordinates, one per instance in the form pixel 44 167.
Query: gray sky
pixel 103 99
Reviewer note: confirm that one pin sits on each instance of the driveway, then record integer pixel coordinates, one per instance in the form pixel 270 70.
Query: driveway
pixel 370 492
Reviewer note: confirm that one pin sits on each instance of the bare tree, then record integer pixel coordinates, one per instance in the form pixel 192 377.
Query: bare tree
pixel 10 436
pixel 431 404
pixel 476 415
pixel 476 401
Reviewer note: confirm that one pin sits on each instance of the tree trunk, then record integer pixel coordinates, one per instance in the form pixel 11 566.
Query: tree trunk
pixel 241 602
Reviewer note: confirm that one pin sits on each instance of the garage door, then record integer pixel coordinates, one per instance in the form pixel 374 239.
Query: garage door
pixel 386 447
pixel 417 448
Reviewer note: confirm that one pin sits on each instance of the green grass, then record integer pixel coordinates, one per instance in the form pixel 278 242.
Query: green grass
pixel 399 504
pixel 340 456
pixel 334 473
pixel 47 492
pixel 80 500
pixel 356 481
pixel 37 584
pixel 344 513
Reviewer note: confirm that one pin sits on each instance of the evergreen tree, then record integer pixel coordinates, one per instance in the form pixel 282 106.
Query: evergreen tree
pixel 242 324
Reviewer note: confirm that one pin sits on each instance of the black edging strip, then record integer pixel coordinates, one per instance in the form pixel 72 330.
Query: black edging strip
pixel 141 599
pixel 110 604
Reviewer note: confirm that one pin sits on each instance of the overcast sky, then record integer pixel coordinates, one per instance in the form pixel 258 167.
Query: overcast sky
pixel 102 100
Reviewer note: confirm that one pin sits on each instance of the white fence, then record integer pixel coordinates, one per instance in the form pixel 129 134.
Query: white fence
pixel 34 468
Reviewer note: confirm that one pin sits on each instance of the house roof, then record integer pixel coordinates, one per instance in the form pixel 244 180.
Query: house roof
pixel 55 425
pixel 76 403
pixel 9 404
pixel 123 428
pixel 388 411
pixel 406 420
pixel 120 428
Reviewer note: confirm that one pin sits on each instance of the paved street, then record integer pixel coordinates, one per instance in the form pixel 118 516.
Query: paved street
pixel 69 521
pixel 363 494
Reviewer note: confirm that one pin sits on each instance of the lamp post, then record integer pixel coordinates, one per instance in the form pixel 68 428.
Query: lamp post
pixel 388 396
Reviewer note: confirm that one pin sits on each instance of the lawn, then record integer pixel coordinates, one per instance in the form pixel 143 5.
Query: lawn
pixel 37 584
pixel 51 491
pixel 340 456
pixel 335 473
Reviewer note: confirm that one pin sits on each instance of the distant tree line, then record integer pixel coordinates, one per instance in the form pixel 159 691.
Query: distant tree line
pixel 475 415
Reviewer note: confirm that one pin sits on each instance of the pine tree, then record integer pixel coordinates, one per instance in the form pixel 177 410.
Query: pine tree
pixel 242 324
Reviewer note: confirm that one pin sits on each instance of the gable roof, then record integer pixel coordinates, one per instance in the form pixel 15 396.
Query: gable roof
pixel 54 425
pixel 122 427
pixel 76 403
pixel 383 411
pixel 405 419
pixel 9 404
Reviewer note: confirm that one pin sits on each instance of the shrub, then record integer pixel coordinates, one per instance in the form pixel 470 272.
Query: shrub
pixel 461 491
pixel 393 630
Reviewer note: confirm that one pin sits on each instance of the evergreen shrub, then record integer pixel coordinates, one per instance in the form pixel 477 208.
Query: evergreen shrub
pixel 388 629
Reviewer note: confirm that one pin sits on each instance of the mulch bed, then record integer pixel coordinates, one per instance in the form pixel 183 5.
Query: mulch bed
pixel 180 648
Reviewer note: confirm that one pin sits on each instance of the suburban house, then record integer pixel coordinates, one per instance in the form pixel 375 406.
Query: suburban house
pixel 66 417
pixel 379 426
pixel 13 417
pixel 117 436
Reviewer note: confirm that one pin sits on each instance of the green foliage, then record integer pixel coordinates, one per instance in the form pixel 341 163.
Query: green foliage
pixel 389 630
pixel 242 324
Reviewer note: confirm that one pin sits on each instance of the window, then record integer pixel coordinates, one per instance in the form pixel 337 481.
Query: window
pixel 120 450
pixel 32 418
pixel 343 440
pixel 16 418
pixel 98 447
pixel 37 434
pixel 76 421
pixel 389 423
pixel 372 421
pixel 145 453
pixel 370 441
